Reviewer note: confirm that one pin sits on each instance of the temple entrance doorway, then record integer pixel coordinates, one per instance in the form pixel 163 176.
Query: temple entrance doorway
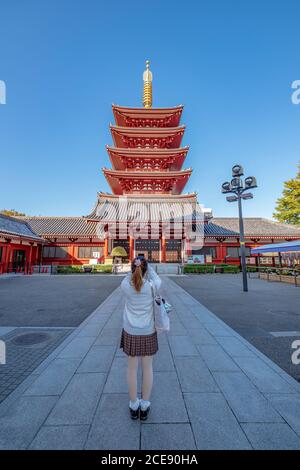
pixel 173 251
pixel 149 248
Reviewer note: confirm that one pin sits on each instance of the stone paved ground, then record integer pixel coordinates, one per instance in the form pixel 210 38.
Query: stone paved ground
pixel 62 300
pixel 43 305
pixel 212 390
pixel 268 316
pixel 26 348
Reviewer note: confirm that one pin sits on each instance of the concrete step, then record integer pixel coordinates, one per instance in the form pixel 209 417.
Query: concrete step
pixel 167 268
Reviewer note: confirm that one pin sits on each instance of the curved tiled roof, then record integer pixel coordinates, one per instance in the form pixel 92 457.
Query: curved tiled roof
pixel 213 229
pixel 67 226
pixel 14 226
pixel 258 226
pixel 217 226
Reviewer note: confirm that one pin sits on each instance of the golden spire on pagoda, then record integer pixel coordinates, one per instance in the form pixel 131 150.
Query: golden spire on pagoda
pixel 147 95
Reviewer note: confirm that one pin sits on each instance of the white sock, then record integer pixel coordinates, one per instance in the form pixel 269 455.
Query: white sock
pixel 134 404
pixel 144 404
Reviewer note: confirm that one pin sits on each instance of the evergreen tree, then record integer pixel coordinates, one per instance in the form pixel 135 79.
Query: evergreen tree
pixel 11 212
pixel 288 205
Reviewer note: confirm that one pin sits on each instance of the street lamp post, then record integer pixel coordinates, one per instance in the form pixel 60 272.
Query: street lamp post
pixel 238 188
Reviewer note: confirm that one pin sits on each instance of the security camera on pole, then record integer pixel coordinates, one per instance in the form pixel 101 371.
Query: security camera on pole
pixel 238 187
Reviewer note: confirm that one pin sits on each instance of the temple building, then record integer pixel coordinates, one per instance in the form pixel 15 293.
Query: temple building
pixel 147 211
pixel 20 246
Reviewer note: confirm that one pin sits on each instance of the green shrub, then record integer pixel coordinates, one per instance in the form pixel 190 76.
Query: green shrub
pixel 252 269
pixel 79 269
pixel 209 268
pixel 234 269
pixel 102 268
pixel 72 269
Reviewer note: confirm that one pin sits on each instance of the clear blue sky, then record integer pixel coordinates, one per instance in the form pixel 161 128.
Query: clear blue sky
pixel 230 62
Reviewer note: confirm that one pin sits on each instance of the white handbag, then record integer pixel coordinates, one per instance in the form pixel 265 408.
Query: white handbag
pixel 161 310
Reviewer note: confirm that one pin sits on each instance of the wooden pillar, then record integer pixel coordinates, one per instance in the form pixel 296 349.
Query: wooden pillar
pixel 131 248
pixel 221 252
pixel 3 263
pixel 163 249
pixel 7 255
pixel 41 254
pixel 29 260
pixel 73 252
pixel 1 260
pixel 105 247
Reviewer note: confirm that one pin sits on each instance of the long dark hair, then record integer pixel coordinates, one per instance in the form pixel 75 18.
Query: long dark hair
pixel 138 272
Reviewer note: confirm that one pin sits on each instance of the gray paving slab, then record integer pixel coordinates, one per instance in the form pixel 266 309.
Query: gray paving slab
pixel 92 329
pixel 182 346
pixel 200 336
pixel 117 380
pixel 55 378
pixel 194 375
pixel 191 321
pixel 98 359
pixel 162 339
pixel 168 404
pixel 112 428
pixel 108 337
pixel 271 436
pixel 235 347
pixel 22 421
pixel 99 317
pixel 78 402
pixel 119 352
pixel 265 379
pixel 115 322
pixel 289 408
pixel 177 327
pixel 214 425
pixel 167 437
pixel 60 438
pixel 78 347
pixel 216 358
pixel 247 403
pixel 217 329
pixel 163 360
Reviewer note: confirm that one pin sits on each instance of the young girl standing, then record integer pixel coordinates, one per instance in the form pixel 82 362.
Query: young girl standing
pixel 139 337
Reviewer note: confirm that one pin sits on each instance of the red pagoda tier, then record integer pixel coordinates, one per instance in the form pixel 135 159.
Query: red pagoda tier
pixel 147 117
pixel 147 137
pixel 127 182
pixel 145 159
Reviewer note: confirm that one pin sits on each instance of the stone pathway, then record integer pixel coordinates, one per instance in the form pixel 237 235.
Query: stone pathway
pixel 212 390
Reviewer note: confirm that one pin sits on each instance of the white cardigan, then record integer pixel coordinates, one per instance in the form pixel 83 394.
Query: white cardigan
pixel 138 316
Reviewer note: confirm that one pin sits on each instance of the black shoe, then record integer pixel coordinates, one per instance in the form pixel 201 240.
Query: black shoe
pixel 134 414
pixel 144 413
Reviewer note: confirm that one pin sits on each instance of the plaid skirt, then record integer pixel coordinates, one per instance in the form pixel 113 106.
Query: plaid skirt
pixel 139 345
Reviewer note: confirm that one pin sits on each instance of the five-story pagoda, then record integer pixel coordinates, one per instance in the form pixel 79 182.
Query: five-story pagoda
pixel 147 160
